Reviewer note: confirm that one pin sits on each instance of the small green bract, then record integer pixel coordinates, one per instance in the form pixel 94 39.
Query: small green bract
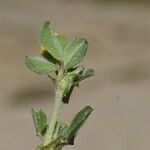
pixel 60 61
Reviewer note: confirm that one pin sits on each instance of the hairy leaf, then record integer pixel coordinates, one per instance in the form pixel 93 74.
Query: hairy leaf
pixel 50 42
pixel 39 65
pixel 77 122
pixel 76 73
pixel 88 73
pixel 75 52
pixel 49 57
pixel 63 40
pixel 40 120
pixel 66 97
pixel 58 127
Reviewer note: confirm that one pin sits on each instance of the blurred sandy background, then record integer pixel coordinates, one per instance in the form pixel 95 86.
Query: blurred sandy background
pixel 119 37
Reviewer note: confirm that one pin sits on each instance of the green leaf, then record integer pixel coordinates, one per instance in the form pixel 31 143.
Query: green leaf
pixel 88 73
pixel 63 40
pixel 75 52
pixel 58 129
pixel 39 65
pixel 50 42
pixel 49 57
pixel 40 120
pixel 77 122
pixel 73 74
pixel 76 72
pixel 66 97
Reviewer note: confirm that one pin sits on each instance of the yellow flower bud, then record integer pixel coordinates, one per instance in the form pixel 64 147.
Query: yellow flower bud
pixel 42 50
pixel 55 33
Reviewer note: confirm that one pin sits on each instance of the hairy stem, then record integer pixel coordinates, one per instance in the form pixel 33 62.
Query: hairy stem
pixel 55 114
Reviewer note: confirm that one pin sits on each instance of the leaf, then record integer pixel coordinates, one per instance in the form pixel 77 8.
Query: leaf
pixel 62 133
pixel 77 122
pixel 76 72
pixel 63 40
pixel 50 42
pixel 75 52
pixel 39 65
pixel 40 120
pixel 58 129
pixel 66 97
pixel 88 73
pixel 49 57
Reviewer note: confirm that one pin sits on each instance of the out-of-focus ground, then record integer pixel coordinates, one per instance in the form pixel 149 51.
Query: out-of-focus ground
pixel 119 37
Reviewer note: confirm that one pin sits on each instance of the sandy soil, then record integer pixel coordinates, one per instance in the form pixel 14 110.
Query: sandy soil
pixel 119 37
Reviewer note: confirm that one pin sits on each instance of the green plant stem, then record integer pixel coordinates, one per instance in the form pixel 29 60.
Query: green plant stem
pixel 55 114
